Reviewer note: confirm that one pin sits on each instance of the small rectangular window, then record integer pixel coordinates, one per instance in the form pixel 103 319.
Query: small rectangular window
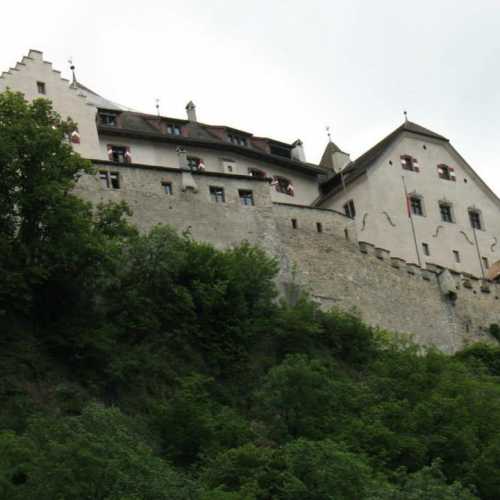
pixel 456 255
pixel 40 86
pixel 167 188
pixel 194 162
pixel 409 163
pixel 119 154
pixel 485 263
pixel 283 185
pixel 246 197
pixel 295 223
pixel 425 248
pixel 319 227
pixel 109 180
pixel 475 219
pixel 104 178
pixel 416 205
pixel 114 180
pixel 350 209
pixel 217 194
pixel 446 213
pixel 256 172
pixel 446 173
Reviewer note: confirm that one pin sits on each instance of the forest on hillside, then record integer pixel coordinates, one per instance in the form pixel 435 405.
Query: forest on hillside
pixel 151 366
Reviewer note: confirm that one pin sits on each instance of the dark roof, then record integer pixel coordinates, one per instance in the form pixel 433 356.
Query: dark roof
pixel 146 126
pixel 358 167
pixel 152 127
pixel 98 100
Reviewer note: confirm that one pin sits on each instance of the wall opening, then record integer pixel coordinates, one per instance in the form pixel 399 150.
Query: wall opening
pixel 319 227
pixel 295 224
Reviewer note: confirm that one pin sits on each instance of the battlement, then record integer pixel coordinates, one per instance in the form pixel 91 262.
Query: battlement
pixel 456 281
pixel 317 250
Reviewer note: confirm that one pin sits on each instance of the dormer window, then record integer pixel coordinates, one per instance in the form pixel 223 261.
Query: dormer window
pixel 108 119
pixel 278 150
pixel 257 172
pixel 119 154
pixel 446 173
pixel 239 140
pixel 173 129
pixel 409 163
pixel 283 185
pixel 40 87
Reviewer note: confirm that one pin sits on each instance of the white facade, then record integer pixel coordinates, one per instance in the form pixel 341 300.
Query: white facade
pixel 382 211
pixel 67 101
pixel 83 106
pixel 378 193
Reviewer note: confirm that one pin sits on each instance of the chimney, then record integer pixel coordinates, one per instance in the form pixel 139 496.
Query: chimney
pixel 191 111
pixel 298 151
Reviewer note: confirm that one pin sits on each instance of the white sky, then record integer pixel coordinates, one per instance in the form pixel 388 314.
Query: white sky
pixel 285 69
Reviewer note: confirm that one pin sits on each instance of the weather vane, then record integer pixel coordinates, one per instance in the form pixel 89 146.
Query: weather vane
pixel 328 133
pixel 72 68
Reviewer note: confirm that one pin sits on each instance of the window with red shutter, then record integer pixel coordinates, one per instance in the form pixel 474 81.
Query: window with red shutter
pixel 409 163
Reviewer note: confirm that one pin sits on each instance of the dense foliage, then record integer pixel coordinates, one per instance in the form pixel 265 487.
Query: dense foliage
pixel 143 367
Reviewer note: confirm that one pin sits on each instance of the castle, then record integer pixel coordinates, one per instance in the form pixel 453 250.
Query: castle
pixel 406 235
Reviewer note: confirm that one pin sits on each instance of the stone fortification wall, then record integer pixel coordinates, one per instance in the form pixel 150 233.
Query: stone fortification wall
pixel 434 306
pixel 317 250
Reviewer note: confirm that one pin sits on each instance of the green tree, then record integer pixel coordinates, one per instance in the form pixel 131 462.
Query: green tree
pixel 298 398
pixel 96 455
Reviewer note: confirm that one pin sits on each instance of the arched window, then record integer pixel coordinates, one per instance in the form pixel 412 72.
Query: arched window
pixel 283 185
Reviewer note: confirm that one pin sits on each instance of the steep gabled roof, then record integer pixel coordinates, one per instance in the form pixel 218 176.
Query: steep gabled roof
pixel 326 159
pixel 359 166
pixel 100 102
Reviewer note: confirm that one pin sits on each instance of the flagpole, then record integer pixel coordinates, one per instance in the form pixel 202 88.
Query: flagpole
pixel 478 252
pixel 411 221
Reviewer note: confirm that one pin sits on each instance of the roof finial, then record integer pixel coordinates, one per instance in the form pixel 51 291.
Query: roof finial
pixel 157 106
pixel 328 133
pixel 72 68
pixel 406 115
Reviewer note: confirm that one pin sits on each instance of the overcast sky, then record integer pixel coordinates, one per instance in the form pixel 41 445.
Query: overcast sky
pixel 285 69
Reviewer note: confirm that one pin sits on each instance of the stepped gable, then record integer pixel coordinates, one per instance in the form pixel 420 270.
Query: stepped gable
pixel 37 55
pixel 358 167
